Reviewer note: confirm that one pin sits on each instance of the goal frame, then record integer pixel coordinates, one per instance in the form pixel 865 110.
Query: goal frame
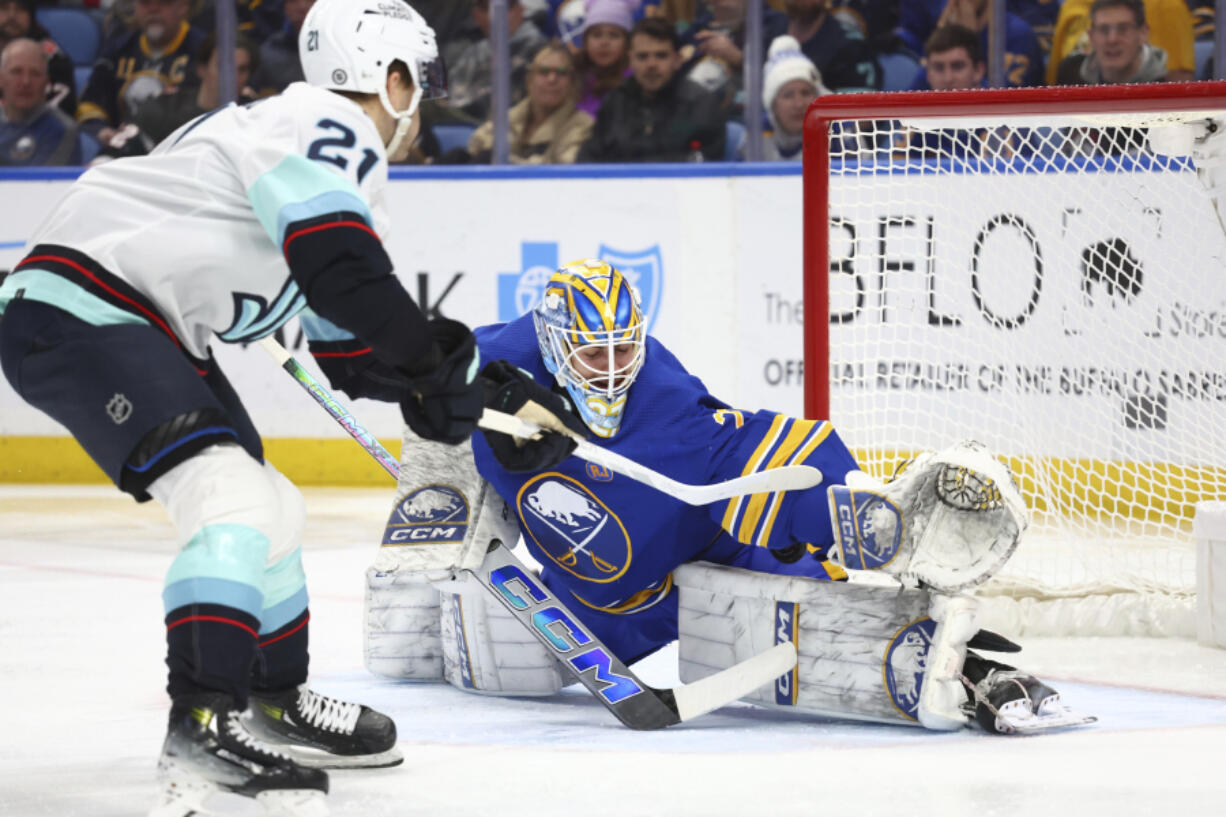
pixel 825 110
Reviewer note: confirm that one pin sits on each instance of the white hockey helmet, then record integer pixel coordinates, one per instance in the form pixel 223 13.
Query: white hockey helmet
pixel 348 45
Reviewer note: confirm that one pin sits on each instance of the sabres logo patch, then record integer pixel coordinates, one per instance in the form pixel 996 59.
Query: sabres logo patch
pixel 906 661
pixel 574 527
pixel 870 527
pixel 435 514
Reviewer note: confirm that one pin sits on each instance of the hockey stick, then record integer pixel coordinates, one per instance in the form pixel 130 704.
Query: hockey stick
pixel 633 702
pixel 786 478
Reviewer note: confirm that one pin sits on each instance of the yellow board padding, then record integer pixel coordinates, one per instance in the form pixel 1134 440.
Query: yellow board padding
pixel 1160 493
pixel 41 460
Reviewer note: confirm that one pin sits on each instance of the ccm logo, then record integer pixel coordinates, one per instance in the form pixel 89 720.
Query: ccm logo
pixel 563 635
pixel 846 524
pixel 423 533
pixel 786 613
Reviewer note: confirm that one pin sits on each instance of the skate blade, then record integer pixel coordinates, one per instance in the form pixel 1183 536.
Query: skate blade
pixel 318 759
pixel 1022 721
pixel 293 803
pixel 182 797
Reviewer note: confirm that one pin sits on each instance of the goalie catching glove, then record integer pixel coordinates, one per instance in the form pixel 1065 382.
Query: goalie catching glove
pixel 511 391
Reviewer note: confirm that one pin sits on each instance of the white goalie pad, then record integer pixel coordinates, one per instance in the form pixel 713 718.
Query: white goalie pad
pixel 487 650
pixel 872 651
pixel 444 519
pixel 949 520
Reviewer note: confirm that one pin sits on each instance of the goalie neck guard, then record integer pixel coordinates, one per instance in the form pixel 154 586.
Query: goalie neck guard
pixel 349 45
pixel 593 339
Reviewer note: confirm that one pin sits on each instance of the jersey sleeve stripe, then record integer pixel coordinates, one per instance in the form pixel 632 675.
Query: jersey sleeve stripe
pixel 354 353
pixel 768 440
pixel 792 441
pixel 314 228
pixel 815 439
pixel 88 110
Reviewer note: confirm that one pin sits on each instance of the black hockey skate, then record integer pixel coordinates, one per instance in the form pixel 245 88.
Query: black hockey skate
pixel 1007 700
pixel 322 732
pixel 209 749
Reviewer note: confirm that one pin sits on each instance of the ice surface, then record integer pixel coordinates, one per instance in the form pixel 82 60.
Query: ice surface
pixel 82 707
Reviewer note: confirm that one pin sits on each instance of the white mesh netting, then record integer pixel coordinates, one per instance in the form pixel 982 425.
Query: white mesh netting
pixel 1055 289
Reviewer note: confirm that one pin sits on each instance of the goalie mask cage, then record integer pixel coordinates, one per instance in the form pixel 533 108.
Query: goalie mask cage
pixel 1041 270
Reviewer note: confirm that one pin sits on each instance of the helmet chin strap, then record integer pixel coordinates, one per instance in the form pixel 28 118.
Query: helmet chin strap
pixel 404 119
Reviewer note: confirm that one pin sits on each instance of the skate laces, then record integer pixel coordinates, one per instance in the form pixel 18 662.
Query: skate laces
pixel 237 730
pixel 323 712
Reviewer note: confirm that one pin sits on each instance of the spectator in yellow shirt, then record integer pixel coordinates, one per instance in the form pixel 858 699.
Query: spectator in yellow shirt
pixel 1170 28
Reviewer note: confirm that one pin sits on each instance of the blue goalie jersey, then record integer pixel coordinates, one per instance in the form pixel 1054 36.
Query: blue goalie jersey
pixel 608 544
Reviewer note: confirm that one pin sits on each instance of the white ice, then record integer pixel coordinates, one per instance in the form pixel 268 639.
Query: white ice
pixel 82 707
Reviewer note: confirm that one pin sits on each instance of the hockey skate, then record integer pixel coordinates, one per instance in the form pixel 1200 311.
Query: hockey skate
pixel 209 749
pixel 1008 701
pixel 322 732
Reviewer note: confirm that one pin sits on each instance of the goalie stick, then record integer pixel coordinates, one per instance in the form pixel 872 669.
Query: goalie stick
pixel 786 478
pixel 634 703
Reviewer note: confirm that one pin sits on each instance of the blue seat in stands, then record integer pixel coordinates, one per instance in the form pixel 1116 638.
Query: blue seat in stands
pixel 734 139
pixel 452 136
pixel 1203 51
pixel 89 146
pixel 76 32
pixel 898 71
pixel 80 77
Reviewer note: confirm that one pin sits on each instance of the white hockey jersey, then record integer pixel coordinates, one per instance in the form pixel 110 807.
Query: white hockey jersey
pixel 198 226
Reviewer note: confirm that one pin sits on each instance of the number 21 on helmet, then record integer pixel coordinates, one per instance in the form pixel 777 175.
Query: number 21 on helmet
pixel 348 45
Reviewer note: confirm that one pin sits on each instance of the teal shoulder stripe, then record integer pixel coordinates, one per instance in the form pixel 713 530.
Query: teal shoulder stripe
pixel 49 288
pixel 298 189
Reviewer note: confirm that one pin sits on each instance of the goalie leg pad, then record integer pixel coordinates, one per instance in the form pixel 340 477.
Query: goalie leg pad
pixel 423 622
pixel 444 518
pixel 949 520
pixel 872 651
pixel 401 635
pixel 487 650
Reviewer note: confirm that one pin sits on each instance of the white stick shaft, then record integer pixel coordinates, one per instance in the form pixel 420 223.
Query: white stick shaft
pixel 787 478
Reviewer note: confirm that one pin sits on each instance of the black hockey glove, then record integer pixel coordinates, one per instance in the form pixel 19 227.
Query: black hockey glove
pixel 511 391
pixel 445 402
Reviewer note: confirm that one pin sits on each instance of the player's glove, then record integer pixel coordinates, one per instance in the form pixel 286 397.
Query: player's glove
pixel 445 402
pixel 509 390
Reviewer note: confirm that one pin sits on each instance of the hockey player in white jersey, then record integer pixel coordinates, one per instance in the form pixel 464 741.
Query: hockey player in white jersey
pixel 236 222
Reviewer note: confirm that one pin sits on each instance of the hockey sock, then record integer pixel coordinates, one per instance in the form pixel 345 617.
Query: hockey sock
pixel 210 647
pixel 283 656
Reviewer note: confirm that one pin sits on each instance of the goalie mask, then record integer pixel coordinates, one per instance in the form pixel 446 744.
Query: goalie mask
pixel 348 45
pixel 593 339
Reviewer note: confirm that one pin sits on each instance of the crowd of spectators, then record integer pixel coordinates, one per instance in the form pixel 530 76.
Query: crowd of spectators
pixel 590 80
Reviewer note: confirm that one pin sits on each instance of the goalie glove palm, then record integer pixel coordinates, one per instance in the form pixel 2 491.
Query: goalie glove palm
pixel 445 403
pixel 509 390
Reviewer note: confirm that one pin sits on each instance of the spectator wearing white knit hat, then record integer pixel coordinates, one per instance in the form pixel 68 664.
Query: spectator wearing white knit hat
pixel 604 51
pixel 790 81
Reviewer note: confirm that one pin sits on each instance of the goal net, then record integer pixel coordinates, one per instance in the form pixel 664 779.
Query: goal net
pixel 1042 270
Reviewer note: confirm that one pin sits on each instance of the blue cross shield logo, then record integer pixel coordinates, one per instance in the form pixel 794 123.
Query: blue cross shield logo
pixel 518 292
pixel 644 271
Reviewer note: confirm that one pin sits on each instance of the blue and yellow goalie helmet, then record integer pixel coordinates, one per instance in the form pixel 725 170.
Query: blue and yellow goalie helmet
pixel 593 339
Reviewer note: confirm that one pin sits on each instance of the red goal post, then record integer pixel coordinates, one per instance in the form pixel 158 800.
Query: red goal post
pixel 1034 268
